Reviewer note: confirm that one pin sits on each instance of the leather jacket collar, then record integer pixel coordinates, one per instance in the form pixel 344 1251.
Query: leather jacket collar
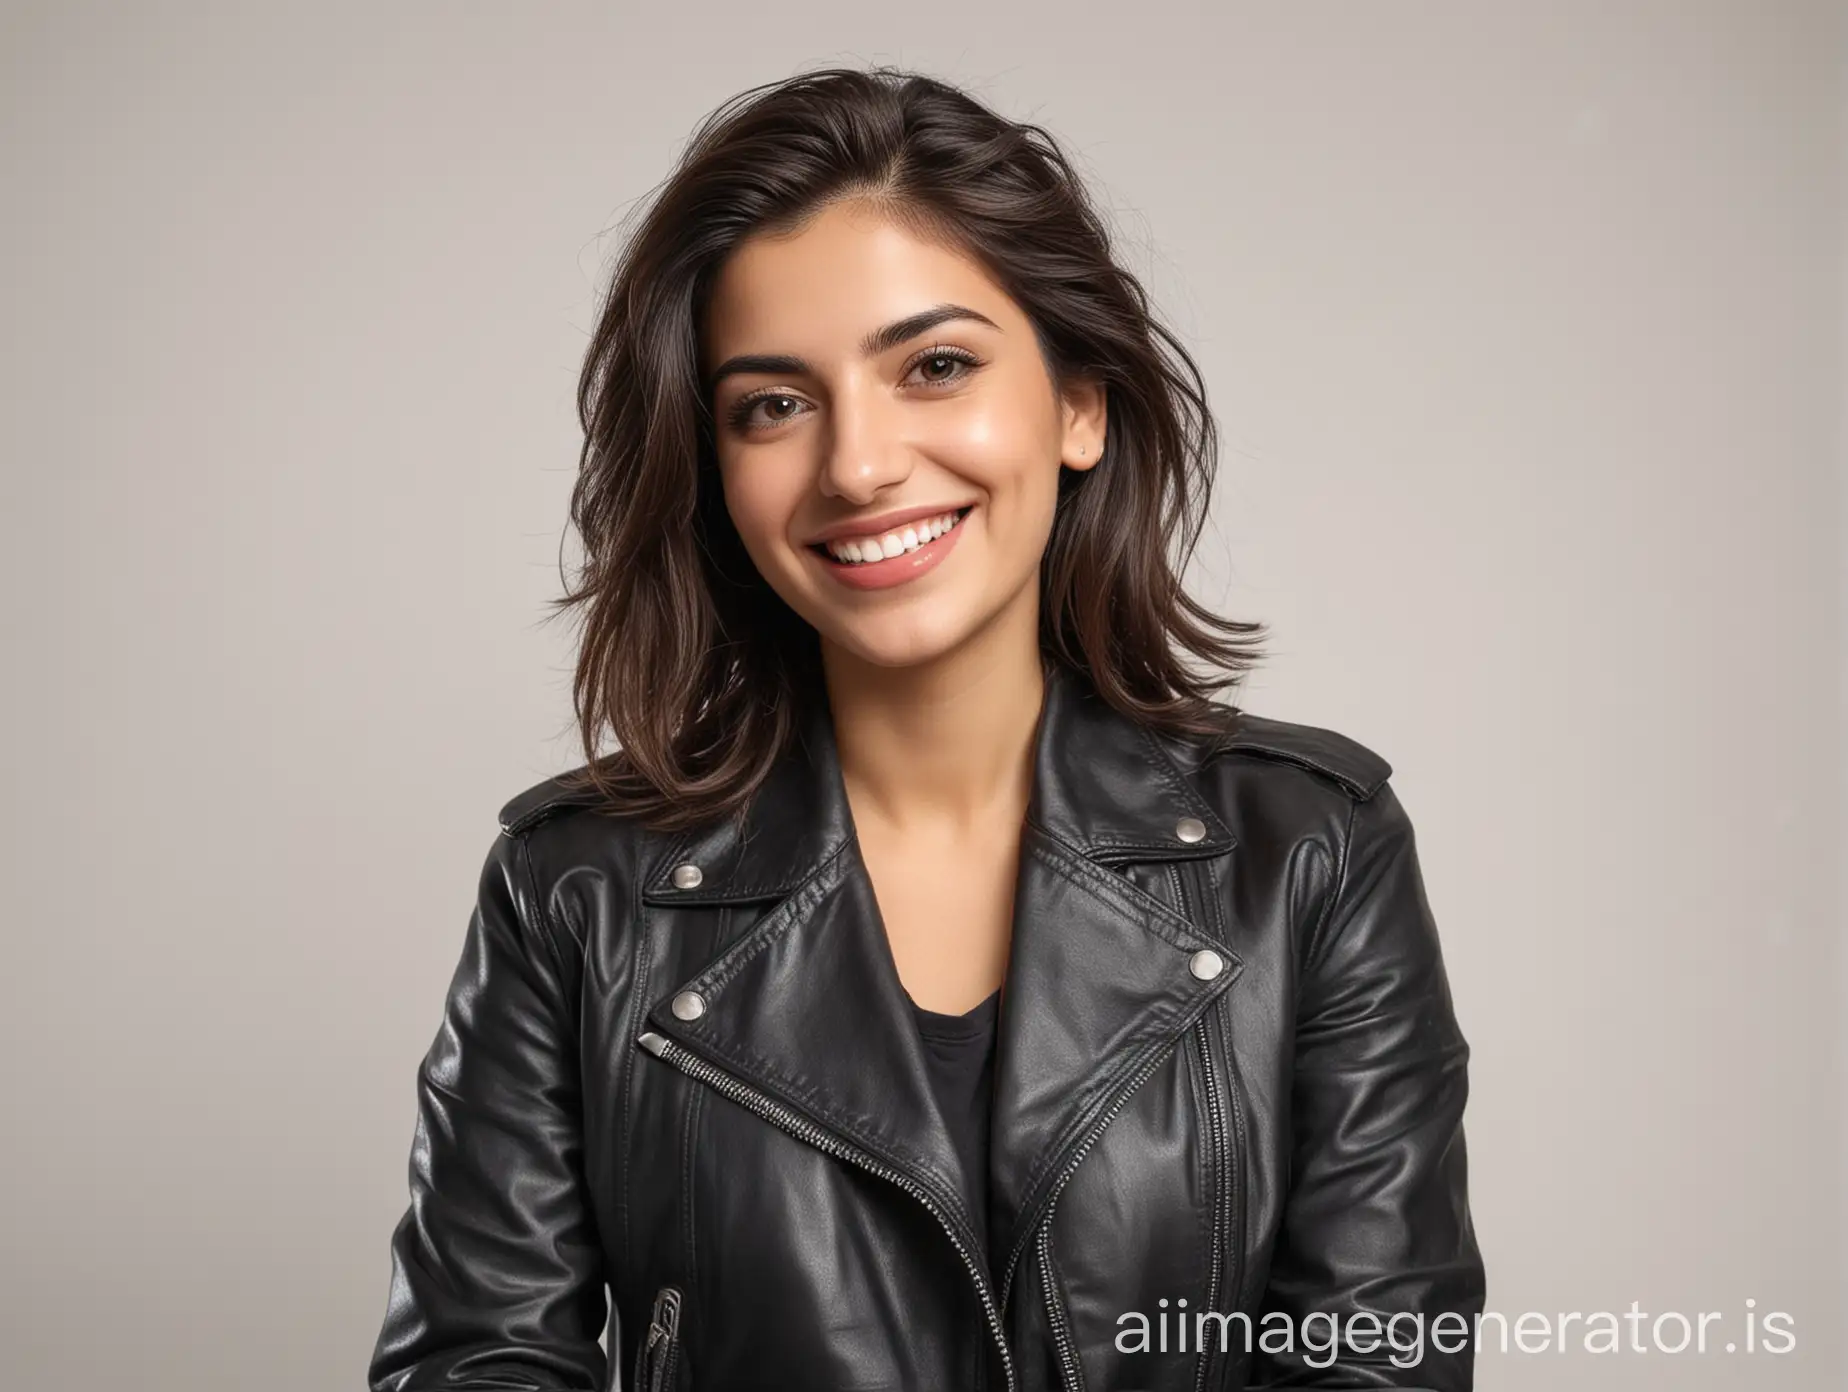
pixel 806 1007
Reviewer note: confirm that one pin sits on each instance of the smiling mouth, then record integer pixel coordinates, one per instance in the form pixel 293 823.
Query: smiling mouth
pixel 857 551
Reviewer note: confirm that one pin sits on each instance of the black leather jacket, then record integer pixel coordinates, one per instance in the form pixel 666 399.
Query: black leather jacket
pixel 679 1074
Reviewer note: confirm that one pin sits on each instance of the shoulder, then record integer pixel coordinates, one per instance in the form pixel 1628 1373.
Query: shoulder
pixel 563 826
pixel 574 854
pixel 1294 797
pixel 1258 744
pixel 1288 792
pixel 547 799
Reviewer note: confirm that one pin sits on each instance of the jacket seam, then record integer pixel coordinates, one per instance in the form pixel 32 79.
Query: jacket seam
pixel 1203 1080
pixel 1232 1158
pixel 625 1083
pixel 761 940
pixel 1077 868
pixel 689 1232
pixel 572 1005
pixel 734 891
pixel 546 928
pixel 1312 949
pixel 1355 787
pixel 1170 774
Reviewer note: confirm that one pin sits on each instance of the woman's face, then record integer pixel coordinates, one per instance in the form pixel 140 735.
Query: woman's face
pixel 871 391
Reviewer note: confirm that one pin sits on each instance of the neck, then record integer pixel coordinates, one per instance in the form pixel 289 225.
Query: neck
pixel 943 746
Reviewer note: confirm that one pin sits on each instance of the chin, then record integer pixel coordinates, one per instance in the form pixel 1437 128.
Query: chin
pixel 918 646
pixel 896 656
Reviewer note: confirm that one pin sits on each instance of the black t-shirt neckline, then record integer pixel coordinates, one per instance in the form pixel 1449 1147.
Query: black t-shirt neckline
pixel 959 1051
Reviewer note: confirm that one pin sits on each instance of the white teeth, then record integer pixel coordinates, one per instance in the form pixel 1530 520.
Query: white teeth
pixel 907 538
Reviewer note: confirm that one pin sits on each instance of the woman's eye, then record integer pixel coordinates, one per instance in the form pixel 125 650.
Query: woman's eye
pixel 744 415
pixel 944 366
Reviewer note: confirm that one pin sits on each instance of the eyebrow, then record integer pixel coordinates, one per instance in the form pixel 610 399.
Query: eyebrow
pixel 876 342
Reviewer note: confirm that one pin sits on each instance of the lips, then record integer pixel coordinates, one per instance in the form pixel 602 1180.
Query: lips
pixel 869 548
pixel 885 521
pixel 914 559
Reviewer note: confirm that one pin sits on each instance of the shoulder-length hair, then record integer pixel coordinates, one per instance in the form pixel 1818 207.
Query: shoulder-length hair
pixel 688 658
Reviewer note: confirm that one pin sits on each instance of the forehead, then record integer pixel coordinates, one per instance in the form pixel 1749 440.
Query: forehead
pixel 850 269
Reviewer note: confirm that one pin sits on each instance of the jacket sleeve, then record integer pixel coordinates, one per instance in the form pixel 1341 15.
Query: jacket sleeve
pixel 1376 1223
pixel 496 1269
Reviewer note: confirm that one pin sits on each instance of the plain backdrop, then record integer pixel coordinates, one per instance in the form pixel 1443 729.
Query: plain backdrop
pixel 1524 326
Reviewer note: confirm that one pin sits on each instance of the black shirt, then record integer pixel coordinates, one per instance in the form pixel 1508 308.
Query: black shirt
pixel 960 1050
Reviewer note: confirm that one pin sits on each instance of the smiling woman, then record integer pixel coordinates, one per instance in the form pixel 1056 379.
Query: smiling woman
pixel 945 412
pixel 853 274
pixel 936 976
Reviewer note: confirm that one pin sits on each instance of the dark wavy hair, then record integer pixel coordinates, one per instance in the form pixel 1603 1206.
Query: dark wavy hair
pixel 688 658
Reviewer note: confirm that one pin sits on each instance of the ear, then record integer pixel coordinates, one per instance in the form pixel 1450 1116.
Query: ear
pixel 1083 412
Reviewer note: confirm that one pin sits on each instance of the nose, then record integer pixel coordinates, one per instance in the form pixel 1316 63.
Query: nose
pixel 865 450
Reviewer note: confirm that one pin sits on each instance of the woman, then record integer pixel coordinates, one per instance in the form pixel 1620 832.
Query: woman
pixel 940 989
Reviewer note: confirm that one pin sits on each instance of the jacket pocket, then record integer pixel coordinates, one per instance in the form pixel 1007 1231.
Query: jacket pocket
pixel 660 1346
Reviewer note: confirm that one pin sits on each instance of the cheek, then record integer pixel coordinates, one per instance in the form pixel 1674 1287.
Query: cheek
pixel 994 432
pixel 759 510
pixel 1013 457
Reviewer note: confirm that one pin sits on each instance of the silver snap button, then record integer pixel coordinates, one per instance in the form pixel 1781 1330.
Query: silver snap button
pixel 1206 964
pixel 1190 829
pixel 687 876
pixel 689 1005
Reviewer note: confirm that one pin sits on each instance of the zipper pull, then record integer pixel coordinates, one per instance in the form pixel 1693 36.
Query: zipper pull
pixel 665 1321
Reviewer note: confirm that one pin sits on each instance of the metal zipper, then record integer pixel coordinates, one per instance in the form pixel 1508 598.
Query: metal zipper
pixel 803 1129
pixel 1071 1166
pixel 1216 1128
pixel 1216 1125
pixel 660 1343
pixel 1070 1374
pixel 1236 1190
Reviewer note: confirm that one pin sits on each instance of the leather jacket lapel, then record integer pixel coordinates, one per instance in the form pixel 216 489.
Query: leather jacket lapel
pixel 1103 979
pixel 807 1006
